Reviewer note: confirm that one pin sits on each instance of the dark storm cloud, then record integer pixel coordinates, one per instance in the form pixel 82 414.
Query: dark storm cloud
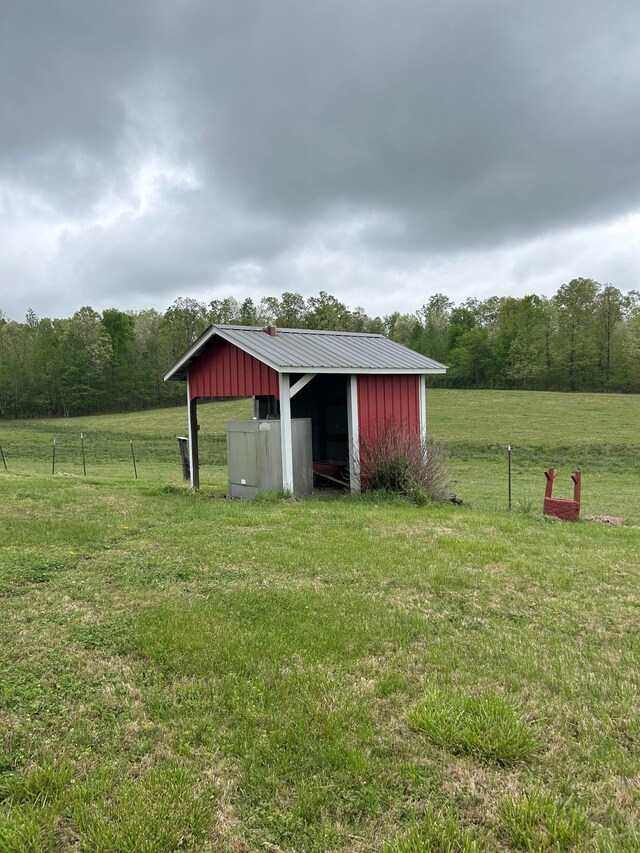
pixel 425 132
pixel 65 71
pixel 471 122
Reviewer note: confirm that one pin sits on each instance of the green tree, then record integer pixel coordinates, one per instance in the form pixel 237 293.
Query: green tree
pixel 609 312
pixel 85 355
pixel 120 328
pixel 485 311
pixel 269 310
pixel 14 380
pixel 185 320
pixel 292 313
pixel 225 311
pixel 399 327
pixel 470 357
pixel 249 315
pixel 435 315
pixel 519 337
pixel 630 343
pixel 326 312
pixel 153 354
pixel 574 345
pixel 49 369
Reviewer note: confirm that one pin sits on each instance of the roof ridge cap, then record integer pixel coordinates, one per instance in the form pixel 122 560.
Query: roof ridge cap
pixel 294 330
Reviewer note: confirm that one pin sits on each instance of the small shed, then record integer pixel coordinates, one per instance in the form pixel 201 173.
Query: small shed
pixel 352 385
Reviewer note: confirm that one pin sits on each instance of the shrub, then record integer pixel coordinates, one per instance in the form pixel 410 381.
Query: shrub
pixel 398 461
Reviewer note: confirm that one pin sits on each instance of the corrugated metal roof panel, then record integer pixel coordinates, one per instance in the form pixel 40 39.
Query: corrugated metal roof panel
pixel 308 350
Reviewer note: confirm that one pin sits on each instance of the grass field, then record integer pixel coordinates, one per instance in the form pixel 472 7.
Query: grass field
pixel 183 672
pixel 600 434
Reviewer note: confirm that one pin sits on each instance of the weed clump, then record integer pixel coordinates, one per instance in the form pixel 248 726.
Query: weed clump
pixel 274 496
pixel 438 831
pixel 399 462
pixel 540 822
pixel 486 728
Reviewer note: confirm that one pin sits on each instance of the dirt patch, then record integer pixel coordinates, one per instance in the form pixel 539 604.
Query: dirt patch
pixel 606 519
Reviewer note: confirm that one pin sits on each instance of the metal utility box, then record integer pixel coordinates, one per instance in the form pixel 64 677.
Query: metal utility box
pixel 255 457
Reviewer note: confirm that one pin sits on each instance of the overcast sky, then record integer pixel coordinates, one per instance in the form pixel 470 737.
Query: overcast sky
pixel 381 150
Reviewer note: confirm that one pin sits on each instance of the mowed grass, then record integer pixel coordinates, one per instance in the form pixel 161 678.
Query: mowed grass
pixel 183 672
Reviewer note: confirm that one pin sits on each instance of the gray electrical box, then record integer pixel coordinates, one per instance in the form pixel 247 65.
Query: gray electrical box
pixel 255 457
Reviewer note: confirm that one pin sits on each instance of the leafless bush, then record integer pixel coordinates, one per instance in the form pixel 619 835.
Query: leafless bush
pixel 396 460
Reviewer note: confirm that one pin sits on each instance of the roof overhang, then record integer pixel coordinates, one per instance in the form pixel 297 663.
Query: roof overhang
pixel 179 369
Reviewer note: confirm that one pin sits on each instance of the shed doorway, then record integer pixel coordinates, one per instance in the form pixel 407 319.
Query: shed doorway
pixel 324 401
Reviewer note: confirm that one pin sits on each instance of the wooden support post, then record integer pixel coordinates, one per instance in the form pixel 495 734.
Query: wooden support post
pixel 577 480
pixel 194 461
pixel 353 433
pixel 551 474
pixel 84 462
pixel 422 401
pixel 135 467
pixel 286 438
pixel 299 385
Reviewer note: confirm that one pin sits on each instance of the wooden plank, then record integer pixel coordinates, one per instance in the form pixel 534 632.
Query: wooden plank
pixel 299 385
pixel 286 437
pixel 194 459
pixel 354 433
pixel 333 479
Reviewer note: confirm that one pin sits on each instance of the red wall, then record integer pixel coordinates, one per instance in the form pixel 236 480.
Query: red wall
pixel 223 370
pixel 387 400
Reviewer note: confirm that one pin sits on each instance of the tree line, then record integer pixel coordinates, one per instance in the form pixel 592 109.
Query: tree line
pixel 584 338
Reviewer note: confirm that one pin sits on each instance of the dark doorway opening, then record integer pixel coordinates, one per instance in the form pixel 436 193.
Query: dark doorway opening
pixel 324 400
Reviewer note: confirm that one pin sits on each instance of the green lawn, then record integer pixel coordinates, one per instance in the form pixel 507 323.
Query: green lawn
pixel 183 672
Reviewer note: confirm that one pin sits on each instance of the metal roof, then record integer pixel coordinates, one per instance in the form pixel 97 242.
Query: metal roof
pixel 314 351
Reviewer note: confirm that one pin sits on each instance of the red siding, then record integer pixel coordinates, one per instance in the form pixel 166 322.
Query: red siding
pixel 386 401
pixel 223 370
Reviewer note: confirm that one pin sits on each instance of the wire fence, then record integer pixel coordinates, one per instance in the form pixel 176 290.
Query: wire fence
pixel 484 476
pixel 119 456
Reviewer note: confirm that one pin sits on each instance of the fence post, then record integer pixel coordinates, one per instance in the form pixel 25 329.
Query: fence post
pixel 84 464
pixel 183 443
pixel 133 456
pixel 4 461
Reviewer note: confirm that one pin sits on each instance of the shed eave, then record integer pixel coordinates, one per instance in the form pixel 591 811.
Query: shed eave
pixel 384 371
pixel 349 371
pixel 179 369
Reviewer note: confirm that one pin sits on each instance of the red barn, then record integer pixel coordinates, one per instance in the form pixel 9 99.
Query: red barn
pixel 352 385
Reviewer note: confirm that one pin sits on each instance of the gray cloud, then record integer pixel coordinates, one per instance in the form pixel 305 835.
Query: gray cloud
pixel 156 149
